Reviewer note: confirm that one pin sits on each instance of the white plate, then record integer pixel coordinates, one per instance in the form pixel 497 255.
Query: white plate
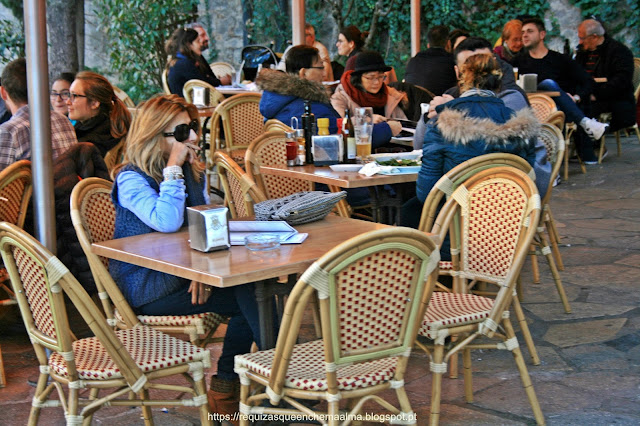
pixel 413 155
pixel 345 167
pixel 402 170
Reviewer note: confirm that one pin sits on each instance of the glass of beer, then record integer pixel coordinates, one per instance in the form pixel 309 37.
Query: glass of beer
pixel 363 126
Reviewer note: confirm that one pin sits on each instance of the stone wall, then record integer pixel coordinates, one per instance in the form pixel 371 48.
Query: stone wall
pixel 225 25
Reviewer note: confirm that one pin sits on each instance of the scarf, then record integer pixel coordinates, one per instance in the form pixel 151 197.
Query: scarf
pixel 362 97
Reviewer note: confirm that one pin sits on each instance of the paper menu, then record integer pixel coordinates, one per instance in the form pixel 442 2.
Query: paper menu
pixel 239 229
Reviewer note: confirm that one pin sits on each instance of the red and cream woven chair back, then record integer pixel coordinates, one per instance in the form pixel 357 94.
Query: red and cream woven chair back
pixel 270 149
pixel 373 291
pixel 110 361
pixel 542 105
pixel 240 191
pixel 15 192
pixel 498 209
pixel 240 119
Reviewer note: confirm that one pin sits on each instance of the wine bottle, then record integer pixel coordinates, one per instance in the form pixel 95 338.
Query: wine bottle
pixel 348 139
pixel 308 123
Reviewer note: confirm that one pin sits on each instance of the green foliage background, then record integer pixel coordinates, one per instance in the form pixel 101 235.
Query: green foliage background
pixel 11 41
pixel 136 32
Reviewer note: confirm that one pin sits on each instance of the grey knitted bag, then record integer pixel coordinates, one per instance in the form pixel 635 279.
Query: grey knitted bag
pixel 299 208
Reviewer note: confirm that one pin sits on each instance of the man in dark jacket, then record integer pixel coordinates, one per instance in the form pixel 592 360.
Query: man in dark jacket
pixel 602 56
pixel 433 68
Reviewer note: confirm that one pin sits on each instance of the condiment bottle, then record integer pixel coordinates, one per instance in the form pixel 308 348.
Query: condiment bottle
pixel 348 139
pixel 301 147
pixel 308 121
pixel 292 148
pixel 323 126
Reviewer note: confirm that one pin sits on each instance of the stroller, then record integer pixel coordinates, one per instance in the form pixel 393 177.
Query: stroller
pixel 253 57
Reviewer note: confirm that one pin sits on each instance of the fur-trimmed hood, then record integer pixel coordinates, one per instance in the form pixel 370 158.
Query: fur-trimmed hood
pixel 461 128
pixel 291 85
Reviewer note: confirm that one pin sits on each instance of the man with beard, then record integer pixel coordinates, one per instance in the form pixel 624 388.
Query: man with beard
pixel 203 39
pixel 557 72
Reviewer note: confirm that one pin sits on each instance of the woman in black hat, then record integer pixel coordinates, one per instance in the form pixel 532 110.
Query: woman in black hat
pixel 365 87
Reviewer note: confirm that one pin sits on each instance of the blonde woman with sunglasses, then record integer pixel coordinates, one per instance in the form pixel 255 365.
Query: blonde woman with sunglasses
pixel 159 178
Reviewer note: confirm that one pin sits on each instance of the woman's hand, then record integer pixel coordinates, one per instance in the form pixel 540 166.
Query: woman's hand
pixel 438 100
pixel 199 293
pixel 225 80
pixel 395 126
pixel 377 118
pixel 181 152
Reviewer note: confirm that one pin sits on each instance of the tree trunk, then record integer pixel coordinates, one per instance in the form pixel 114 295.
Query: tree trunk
pixel 63 51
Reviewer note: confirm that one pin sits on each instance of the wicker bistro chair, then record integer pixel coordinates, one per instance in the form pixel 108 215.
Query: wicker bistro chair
pixel 445 187
pixel 15 194
pixel 554 142
pixel 235 123
pixel 276 125
pixel 124 362
pixel 270 149
pixel 372 292
pixel 165 84
pixel 93 216
pixel 498 210
pixel 220 69
pixel 124 97
pixel 215 97
pixel 240 191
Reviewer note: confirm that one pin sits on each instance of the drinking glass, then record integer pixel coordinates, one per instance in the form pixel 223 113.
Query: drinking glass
pixel 363 126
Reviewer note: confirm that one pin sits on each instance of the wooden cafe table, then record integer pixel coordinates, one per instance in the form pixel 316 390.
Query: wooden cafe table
pixel 171 253
pixel 337 180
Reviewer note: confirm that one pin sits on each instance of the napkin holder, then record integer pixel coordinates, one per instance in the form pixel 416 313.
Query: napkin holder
pixel 200 96
pixel 327 150
pixel 209 227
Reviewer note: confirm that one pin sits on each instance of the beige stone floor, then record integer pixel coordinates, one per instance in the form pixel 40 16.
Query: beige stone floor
pixel 590 371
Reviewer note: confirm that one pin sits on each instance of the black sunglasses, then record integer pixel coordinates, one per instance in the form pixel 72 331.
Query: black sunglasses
pixel 182 131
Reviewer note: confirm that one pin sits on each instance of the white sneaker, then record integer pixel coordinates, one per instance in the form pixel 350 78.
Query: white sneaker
pixel 557 180
pixel 594 128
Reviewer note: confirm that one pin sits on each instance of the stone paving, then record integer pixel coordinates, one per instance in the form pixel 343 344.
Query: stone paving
pixel 590 370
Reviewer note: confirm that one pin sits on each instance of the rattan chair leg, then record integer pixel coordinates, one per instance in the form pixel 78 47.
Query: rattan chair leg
pixel 554 239
pixel 3 378
pixel 147 416
pixel 526 333
pixel 333 409
pixel 244 396
pixel 524 375
pixel 535 269
pixel 519 292
pixel 554 271
pixel 201 389
pixel 453 362
pixel 618 143
pixel 637 132
pixel 602 148
pixel 565 176
pixel 72 409
pixel 436 386
pixel 468 374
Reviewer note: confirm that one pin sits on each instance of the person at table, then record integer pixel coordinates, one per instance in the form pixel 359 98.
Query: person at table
pixel 350 43
pixel 365 87
pixel 456 36
pixel 60 93
pixel 159 178
pixel 203 39
pixel 602 56
pixel 310 40
pixel 556 72
pixel 284 94
pixel 186 62
pixel 100 116
pixel 511 40
pixel 476 123
pixel 433 68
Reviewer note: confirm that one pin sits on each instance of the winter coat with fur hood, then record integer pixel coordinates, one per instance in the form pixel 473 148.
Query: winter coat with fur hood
pixel 284 94
pixel 471 126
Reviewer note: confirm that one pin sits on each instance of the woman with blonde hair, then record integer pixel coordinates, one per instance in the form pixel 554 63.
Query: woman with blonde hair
pixel 159 178
pixel 476 123
pixel 101 117
pixel 511 40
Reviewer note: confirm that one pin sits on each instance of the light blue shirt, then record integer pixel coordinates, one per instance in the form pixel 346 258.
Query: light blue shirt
pixel 162 211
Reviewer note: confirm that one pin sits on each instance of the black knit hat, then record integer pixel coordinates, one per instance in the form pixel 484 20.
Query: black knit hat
pixel 368 60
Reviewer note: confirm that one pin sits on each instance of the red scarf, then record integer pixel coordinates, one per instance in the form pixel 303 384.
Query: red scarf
pixel 362 97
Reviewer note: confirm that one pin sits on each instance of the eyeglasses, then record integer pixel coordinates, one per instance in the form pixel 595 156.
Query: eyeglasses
pixel 585 37
pixel 182 131
pixel 64 95
pixel 379 78
pixel 316 68
pixel 74 96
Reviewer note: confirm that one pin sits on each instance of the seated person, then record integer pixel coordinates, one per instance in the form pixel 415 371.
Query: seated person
pixel 186 62
pixel 602 56
pixel 456 36
pixel 511 40
pixel 15 134
pixel 433 68
pixel 284 94
pixel 365 87
pixel 476 123
pixel 556 72
pixel 101 117
pixel 158 179
pixel 350 43
pixel 60 93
